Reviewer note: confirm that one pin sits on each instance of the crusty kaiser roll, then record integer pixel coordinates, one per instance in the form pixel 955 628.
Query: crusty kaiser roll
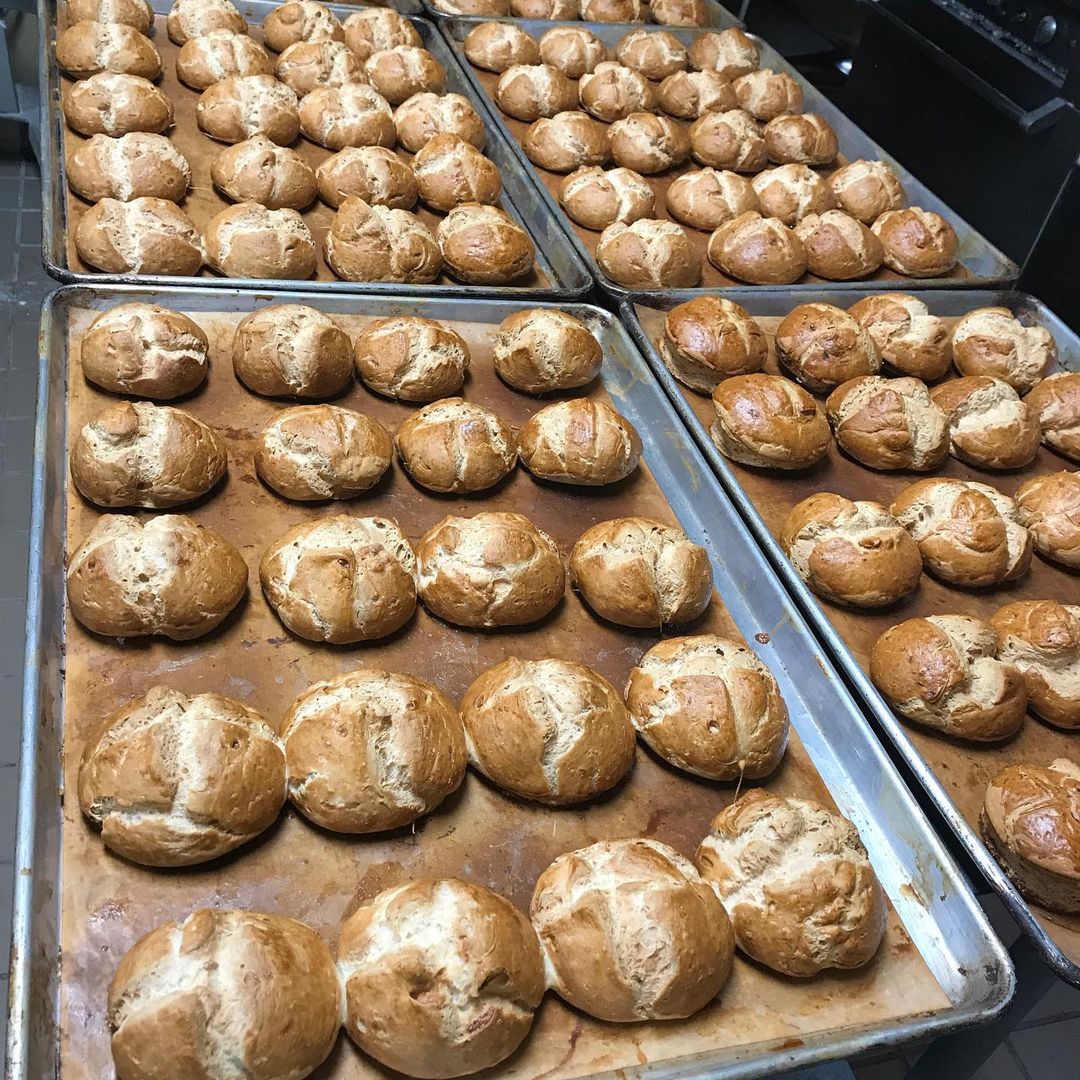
pixel 760 250
pixel 544 9
pixel 612 91
pixel 728 140
pixel 221 54
pixel 597 198
pixel 528 91
pixel 729 51
pixel 636 571
pixel 989 426
pixel 167 575
pixel 380 243
pixel 492 569
pixel 113 104
pixel 918 243
pixel 649 254
pixel 1042 639
pixel 790 192
pixel 300 20
pixel 707 198
pixel 992 341
pixel 550 730
pixel 566 141
pixel 910 340
pixel 477 958
pixel 349 115
pixel 573 50
pixel 943 672
pixel 411 358
pixel 768 421
pixel 308 64
pixel 249 241
pixel 144 350
pixel 823 346
pixel 1029 822
pixel 404 70
pixel 174 780
pixel 802 138
pixel 648 143
pixel 372 173
pixel 139 454
pixel 687 95
pixel 867 189
pixel 579 442
pixel 206 966
pixel 969 534
pixel 593 908
pixel 618 11
pixel 244 105
pixel 839 247
pixel 341 579
pixel 655 54
pixel 709 706
pixel 314 452
pixel 797 883
pixel 133 166
pixel 766 94
pixel 1049 506
pixel 292 350
pixel 257 170
pixel 483 245
pixel 143 236
pixel 679 12
pixel 424 116
pixel 450 171
pixel 1056 402
pixel 137 13
pixel 495 46
pixel 539 350
pixel 87 47
pixel 853 553
pixel 371 750
pixel 373 29
pixel 709 339
pixel 197 18
pixel 456 445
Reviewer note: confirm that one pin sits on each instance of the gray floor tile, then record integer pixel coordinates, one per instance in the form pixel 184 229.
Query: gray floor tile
pixel 1061 1000
pixel 15 491
pixel 20 389
pixel 1048 1052
pixel 30 230
pixel 13 565
pixel 9 801
pixel 12 635
pixel 10 721
pixel 18 436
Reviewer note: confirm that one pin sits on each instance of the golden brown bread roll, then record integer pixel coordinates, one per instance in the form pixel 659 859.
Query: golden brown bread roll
pixel 909 339
pixel 424 116
pixel 134 166
pixel 257 170
pixel 144 350
pixel 918 243
pixel 989 426
pixel 612 91
pixel 544 9
pixel 650 254
pixel 709 706
pixel 474 951
pixel 768 421
pixel 183 972
pixel 679 12
pixel 596 197
pixel 87 47
pixel 579 442
pixel 139 454
pixel 307 64
pixel 592 909
pixel 790 192
pixel 221 54
pixel 411 358
pixel 300 20
pixel 839 247
pixel 528 91
pixel 372 173
pixel 314 452
pixel 174 780
pixel 655 54
pixel 636 571
pixel 404 70
pixel 380 243
pixel 867 189
pixel 196 18
pixel 709 339
pixel 456 445
pixel 483 245
pixel 112 104
pixel 707 198
pixel 567 140
pixel 943 672
pixel 760 250
pixel 766 94
pixel 573 50
pixel 992 341
pixel 797 883
pixel 450 171
pixel 143 236
pixel 350 115
pixel 370 30
pixel 688 95
pixel 1056 403
pixel 853 553
pixel 292 350
pixel 802 138
pixel 550 730
pixel 1049 506
pixel 615 11
pixel 1029 822
pixel 495 46
pixel 247 240
pixel 167 575
pixel 823 346
pixel 728 140
pixel 137 13
pixel 648 143
pixel 729 51
pixel 539 350
pixel 371 750
pixel 244 105
pixel 969 534
pixel 341 579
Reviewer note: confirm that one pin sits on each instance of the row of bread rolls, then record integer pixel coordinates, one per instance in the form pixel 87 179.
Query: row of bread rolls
pixel 666 12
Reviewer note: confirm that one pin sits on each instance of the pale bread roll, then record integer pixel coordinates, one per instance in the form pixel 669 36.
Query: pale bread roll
pixel 300 20
pixel 992 341
pixel 221 54
pixel 404 70
pixel 823 346
pixel 196 18
pixel 309 64
pixel 372 173
pixel 495 46
pixel 112 104
pixel 573 50
pixel 867 189
pixel 649 254
pixel 142 236
pixel 596 197
pixel 352 114
pixel 133 166
pixel 137 13
pixel 370 30
pixel 708 198
pixel 729 51
pixel 424 116
pixel 1056 401
pixel 539 350
pixel 709 339
pixel 257 170
pixel 918 243
pixel 380 243
pixel 990 427
pixel 909 339
pixel 245 105
pixel 654 54
pixel 411 358
pixel 248 240
pixel 86 48
pixel 1049 506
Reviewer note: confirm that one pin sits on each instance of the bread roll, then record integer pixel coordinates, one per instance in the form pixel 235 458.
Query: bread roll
pixel 766 94
pixel 370 30
pixel 614 11
pixel 943 672
pixel 656 54
pixel 113 104
pixel 309 64
pixel 707 198
pixel 196 18
pixel 969 534
pixel 729 52
pixel 1056 403
pixel 404 70
pixel 143 236
pixel 839 247
pixel 349 115
pixel 483 245
pixel 456 445
pixel 544 9
pixel 648 144
pixel 528 91
pixel 760 250
pixel 992 341
pixel 244 105
pixel 790 192
pixel 167 575
pixel 989 426
pixel 573 50
pixel 411 358
pixel 372 173
pixel 550 730
pixel 314 452
pixel 803 139
pixel 679 12
pixel 173 780
pixel 371 750
pixel 1029 822
pixel 134 166
pixel 219 55
pixel 769 422
pixel 1042 639
pixel 636 571
pixel 909 339
pixel 341 579
pixel 495 46
pixel 688 95
pixel 566 141
pixel 477 8
pixel 709 706
pixel 137 13
pixel 379 243
pixel 424 116
pixel 918 243
pixel 852 553
pixel 144 350
pixel 249 241
pixel 867 189
pixel 797 883
pixel 593 910
pixel 539 350
pixel 477 958
pixel 183 973
pixel 87 47
pixel 823 346
pixel 1049 506
pixel 596 198
pixel 292 350
pixel 259 171
pixel 450 171
pixel 709 339
pixel 612 92
pixel 579 442
pixel 300 20
pixel 649 254
pixel 728 140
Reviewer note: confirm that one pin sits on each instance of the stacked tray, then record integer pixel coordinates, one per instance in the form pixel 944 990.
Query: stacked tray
pixel 954 773
pixel 78 909
pixel 716 16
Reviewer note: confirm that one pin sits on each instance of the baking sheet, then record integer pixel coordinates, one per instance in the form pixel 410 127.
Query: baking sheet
pixel 558 270
pixel 939 968
pixel 718 17
pixel 953 772
pixel 980 263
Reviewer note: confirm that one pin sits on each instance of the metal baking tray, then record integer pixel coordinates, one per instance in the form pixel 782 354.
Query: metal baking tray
pixel 559 270
pixel 954 774
pixel 980 262
pixel 78 908
pixel 719 17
